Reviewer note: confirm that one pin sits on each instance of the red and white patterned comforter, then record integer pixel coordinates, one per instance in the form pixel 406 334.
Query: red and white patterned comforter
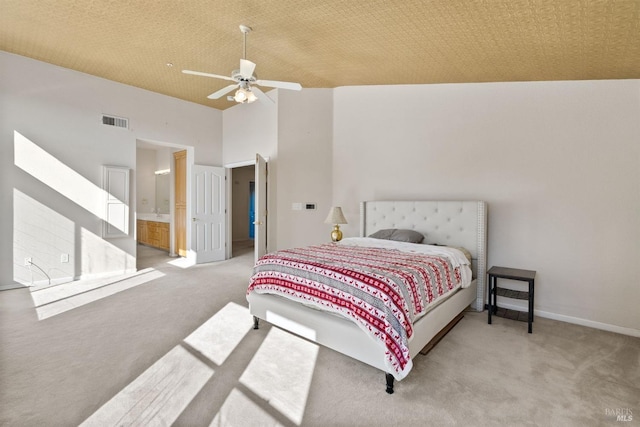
pixel 384 287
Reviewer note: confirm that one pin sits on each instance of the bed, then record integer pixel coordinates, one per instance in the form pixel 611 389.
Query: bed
pixel 448 224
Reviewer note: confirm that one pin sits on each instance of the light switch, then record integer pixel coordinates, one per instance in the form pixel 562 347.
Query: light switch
pixel 296 206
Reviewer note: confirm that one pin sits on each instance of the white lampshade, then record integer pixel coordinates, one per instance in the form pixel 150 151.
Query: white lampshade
pixel 245 95
pixel 335 216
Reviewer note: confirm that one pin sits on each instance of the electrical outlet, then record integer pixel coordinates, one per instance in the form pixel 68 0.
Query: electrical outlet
pixel 27 261
pixel 64 257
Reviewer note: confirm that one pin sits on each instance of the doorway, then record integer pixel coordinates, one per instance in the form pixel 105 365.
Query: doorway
pixel 243 209
pixel 153 197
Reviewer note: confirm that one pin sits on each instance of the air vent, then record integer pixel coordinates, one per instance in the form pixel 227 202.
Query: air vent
pixel 118 122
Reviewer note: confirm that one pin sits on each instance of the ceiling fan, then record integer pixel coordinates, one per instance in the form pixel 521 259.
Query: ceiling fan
pixel 244 80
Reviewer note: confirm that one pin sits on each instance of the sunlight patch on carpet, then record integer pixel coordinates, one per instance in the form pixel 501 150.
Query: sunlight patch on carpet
pixel 281 372
pixel 59 299
pixel 239 410
pixel 221 334
pixel 182 262
pixel 158 396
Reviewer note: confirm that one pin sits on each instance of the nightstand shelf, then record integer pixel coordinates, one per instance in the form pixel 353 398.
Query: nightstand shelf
pixel 494 291
pixel 508 293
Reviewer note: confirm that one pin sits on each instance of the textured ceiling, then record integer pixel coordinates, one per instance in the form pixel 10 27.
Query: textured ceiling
pixel 330 43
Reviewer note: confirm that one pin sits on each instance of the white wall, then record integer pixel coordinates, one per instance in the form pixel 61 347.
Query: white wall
pixel 305 131
pixel 164 157
pixel 145 180
pixel 557 162
pixel 150 159
pixel 249 129
pixel 54 115
pixel 296 134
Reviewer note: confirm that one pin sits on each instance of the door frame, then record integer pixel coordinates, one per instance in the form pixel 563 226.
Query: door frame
pixel 190 161
pixel 174 205
pixel 229 167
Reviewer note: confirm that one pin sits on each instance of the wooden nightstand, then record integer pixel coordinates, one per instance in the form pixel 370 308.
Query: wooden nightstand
pixel 513 274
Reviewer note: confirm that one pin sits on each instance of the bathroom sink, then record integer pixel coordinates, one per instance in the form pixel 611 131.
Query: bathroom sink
pixel 154 217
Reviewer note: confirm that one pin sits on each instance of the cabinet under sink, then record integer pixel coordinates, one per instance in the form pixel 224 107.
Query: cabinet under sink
pixel 153 233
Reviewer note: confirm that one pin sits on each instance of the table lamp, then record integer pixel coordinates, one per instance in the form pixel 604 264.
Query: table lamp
pixel 336 217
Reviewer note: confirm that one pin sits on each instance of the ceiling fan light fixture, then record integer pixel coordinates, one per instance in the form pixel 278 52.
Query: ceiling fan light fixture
pixel 244 96
pixel 252 97
pixel 240 96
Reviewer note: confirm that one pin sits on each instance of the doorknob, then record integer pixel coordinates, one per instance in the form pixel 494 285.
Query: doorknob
pixel 194 220
pixel 257 222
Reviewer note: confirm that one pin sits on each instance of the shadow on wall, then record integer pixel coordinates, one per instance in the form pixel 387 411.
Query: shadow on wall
pixel 52 238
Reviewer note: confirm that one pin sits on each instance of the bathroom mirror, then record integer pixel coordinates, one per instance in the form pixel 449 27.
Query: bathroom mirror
pixel 162 193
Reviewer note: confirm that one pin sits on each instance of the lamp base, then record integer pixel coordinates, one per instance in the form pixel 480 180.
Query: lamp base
pixel 336 234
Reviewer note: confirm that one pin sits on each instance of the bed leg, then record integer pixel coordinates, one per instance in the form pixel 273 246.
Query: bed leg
pixel 255 322
pixel 389 383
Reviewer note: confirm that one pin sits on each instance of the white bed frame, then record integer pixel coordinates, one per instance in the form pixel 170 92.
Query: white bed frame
pixel 450 223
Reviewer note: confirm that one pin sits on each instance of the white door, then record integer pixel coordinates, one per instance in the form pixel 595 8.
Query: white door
pixel 260 239
pixel 208 213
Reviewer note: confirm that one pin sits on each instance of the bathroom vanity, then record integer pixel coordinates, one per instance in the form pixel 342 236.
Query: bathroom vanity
pixel 153 230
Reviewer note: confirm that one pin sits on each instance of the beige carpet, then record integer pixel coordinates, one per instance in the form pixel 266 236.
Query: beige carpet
pixel 177 349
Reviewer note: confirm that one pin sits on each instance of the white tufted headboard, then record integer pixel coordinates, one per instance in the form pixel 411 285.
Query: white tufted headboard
pixel 449 223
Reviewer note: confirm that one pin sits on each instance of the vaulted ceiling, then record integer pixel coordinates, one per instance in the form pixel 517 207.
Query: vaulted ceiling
pixel 327 43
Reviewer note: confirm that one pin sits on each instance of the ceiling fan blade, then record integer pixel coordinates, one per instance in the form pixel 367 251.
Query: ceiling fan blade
pixel 215 76
pixel 223 91
pixel 246 68
pixel 263 97
pixel 279 85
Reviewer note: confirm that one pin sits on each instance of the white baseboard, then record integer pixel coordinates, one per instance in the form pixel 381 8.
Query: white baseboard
pixel 41 284
pixel 575 320
pixel 589 323
pixel 12 286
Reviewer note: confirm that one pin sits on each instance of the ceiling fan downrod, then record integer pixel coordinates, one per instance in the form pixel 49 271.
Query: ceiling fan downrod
pixel 245 30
